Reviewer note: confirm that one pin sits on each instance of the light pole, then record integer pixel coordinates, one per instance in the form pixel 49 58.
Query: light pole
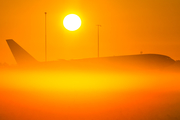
pixel 45 38
pixel 98 39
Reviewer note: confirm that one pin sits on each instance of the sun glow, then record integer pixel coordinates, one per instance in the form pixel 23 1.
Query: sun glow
pixel 72 22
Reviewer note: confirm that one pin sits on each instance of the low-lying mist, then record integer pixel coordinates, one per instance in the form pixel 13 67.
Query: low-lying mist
pixel 88 95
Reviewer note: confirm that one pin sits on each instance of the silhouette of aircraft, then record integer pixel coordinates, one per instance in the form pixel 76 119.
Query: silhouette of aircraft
pixel 23 58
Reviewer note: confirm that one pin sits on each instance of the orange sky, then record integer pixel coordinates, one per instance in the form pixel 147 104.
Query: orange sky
pixel 128 27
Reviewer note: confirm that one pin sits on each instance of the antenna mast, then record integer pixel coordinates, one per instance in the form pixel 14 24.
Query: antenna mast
pixel 45 38
pixel 98 39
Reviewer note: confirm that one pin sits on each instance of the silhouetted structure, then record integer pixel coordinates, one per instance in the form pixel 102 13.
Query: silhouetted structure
pixel 98 39
pixel 45 38
pixel 21 56
pixel 119 63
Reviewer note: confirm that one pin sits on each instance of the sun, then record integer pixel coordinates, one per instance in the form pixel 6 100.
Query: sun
pixel 72 22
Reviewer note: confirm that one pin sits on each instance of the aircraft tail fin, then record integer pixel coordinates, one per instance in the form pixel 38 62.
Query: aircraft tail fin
pixel 21 56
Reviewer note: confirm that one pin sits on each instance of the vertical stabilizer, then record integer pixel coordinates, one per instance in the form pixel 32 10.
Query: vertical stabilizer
pixel 21 56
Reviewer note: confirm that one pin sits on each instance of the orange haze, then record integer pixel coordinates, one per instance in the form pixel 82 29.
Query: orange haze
pixel 128 27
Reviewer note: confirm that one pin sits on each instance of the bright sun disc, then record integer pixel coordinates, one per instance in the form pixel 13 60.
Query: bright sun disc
pixel 72 22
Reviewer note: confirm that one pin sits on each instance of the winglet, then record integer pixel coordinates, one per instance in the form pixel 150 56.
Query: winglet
pixel 21 56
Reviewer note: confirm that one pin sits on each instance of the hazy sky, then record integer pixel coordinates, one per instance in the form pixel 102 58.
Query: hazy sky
pixel 128 27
